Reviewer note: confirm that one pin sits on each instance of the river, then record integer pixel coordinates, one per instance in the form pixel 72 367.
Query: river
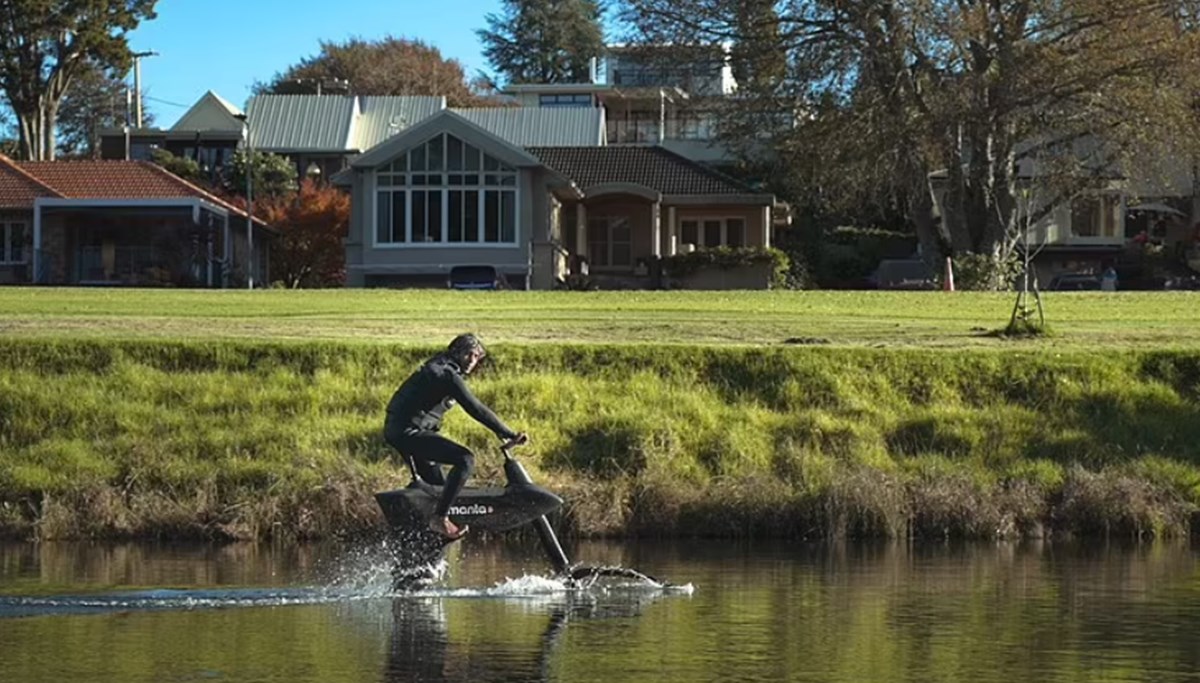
pixel 1032 611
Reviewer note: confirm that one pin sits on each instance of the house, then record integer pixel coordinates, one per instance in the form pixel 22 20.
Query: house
pixel 321 133
pixel 209 132
pixel 449 192
pixel 650 95
pixel 121 223
pixel 1106 225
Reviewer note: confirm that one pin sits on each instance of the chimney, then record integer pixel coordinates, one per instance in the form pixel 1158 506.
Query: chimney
pixel 593 68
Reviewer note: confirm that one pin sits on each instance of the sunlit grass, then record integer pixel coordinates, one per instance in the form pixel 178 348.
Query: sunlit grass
pixel 255 439
pixel 1079 319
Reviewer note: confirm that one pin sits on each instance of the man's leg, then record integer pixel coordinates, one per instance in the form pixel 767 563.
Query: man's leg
pixel 427 448
pixel 412 449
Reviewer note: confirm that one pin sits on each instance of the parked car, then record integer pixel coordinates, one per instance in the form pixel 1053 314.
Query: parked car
pixel 1075 282
pixel 476 277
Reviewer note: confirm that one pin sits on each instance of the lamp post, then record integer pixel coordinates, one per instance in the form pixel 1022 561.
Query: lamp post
pixel 249 166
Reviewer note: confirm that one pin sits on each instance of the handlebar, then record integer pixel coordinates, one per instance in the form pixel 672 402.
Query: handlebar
pixel 507 447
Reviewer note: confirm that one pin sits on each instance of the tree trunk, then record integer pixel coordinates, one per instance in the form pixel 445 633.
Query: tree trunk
pixel 30 136
pixel 49 123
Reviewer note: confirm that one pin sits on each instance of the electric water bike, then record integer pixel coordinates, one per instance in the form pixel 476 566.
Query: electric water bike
pixel 418 549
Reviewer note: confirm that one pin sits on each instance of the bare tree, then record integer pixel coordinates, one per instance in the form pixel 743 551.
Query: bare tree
pixel 901 102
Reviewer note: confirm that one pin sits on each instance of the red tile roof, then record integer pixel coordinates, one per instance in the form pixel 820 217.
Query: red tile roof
pixel 18 189
pixel 23 181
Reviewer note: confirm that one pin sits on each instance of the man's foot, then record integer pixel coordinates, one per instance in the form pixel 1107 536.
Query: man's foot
pixel 445 527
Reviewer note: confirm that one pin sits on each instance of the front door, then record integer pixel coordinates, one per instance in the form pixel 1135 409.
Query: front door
pixel 610 242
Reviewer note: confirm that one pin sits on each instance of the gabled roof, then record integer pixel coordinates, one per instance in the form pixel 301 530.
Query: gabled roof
pixel 27 181
pixel 19 189
pixel 541 127
pixel 383 117
pixel 652 167
pixel 445 121
pixel 211 112
pixel 297 123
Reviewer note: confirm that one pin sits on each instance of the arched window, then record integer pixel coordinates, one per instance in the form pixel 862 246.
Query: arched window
pixel 446 192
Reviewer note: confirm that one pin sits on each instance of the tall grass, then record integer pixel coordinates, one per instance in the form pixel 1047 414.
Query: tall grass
pixel 244 439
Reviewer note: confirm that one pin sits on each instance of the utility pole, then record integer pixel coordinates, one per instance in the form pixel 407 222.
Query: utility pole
pixel 137 83
pixel 250 167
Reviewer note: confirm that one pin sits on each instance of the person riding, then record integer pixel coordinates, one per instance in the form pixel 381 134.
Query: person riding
pixel 414 418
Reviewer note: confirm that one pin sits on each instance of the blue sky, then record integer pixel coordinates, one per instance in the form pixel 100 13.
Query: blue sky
pixel 226 45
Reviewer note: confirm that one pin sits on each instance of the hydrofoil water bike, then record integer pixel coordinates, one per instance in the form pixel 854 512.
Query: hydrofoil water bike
pixel 419 550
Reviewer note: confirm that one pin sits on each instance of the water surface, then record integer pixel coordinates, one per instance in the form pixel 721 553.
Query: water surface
pixel 758 612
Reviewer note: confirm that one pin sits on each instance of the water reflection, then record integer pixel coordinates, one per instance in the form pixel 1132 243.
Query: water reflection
pixel 423 649
pixel 761 612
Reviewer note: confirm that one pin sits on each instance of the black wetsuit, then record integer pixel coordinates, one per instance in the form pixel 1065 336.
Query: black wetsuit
pixel 414 417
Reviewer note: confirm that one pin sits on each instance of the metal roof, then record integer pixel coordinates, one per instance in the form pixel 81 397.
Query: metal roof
pixel 383 117
pixel 541 126
pixel 298 123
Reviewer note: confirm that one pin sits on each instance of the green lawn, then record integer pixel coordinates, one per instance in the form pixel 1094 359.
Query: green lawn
pixel 930 319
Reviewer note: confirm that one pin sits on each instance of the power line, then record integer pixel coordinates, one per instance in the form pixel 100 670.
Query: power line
pixel 172 104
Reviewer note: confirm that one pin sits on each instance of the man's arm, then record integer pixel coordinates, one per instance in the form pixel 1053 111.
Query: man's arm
pixel 475 408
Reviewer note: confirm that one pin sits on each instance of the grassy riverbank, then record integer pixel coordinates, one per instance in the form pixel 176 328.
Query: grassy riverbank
pixel 237 438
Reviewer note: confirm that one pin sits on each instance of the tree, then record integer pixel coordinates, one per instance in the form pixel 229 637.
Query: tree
pixel 312 224
pixel 544 41
pixel 95 100
pixel 758 60
pixel 44 44
pixel 274 175
pixel 390 66
pixel 188 169
pixel 894 104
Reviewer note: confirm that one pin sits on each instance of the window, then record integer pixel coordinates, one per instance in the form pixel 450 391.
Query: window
pixel 446 192
pixel 576 100
pixel 694 126
pixel 12 243
pixel 633 127
pixel 610 242
pixel 142 151
pixel 708 233
pixel 1095 216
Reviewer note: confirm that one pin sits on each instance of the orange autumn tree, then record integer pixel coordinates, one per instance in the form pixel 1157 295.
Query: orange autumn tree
pixel 312 224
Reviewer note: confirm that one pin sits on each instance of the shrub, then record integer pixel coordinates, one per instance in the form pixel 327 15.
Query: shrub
pixel 682 265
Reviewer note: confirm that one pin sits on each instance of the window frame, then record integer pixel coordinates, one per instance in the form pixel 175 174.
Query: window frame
pixel 700 220
pixel 566 100
pixel 6 242
pixel 609 223
pixel 399 177
pixel 1110 204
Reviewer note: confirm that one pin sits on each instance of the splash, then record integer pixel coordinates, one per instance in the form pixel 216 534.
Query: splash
pixel 369 571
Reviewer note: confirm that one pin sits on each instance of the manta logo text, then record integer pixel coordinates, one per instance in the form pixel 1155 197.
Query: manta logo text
pixel 474 509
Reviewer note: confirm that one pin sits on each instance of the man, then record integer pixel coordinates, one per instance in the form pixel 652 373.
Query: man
pixel 414 417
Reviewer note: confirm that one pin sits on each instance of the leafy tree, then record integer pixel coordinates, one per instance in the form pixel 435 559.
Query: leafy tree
pixel 312 224
pixel 544 41
pixel 390 66
pixel 45 44
pixel 185 168
pixel 274 175
pixel 95 100
pixel 891 104
pixel 758 60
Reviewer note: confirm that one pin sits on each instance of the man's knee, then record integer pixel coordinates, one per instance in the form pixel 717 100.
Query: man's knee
pixel 468 462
